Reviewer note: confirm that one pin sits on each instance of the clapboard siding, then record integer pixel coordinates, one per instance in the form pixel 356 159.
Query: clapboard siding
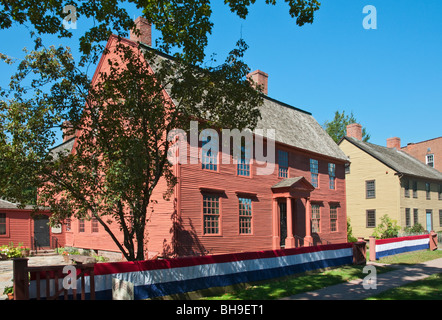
pixel 194 180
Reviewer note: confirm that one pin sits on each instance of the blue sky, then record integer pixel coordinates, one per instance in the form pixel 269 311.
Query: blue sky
pixel 391 77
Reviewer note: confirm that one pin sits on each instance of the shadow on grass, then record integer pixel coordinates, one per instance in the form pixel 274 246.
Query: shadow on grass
pixel 291 285
pixel 427 289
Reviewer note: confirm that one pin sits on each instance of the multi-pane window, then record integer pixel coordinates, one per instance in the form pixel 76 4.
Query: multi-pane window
pixel 316 217
pixel 407 188
pixel 314 170
pixel 68 223
pixel 332 175
pixel 243 166
pixel 427 190
pixel 2 223
pixel 211 214
pixel 371 218
pixel 415 216
pixel 430 160
pixel 407 217
pixel 333 218
pixel 209 157
pixel 440 192
pixel 283 164
pixel 94 224
pixel 245 216
pixel 370 189
pixel 440 218
pixel 81 225
pixel 414 189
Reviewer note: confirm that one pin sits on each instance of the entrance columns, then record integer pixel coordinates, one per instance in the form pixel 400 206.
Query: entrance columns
pixel 290 240
pixel 275 219
pixel 308 240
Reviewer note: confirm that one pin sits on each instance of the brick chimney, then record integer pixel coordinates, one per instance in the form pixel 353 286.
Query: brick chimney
pixel 394 142
pixel 68 132
pixel 261 79
pixel 354 130
pixel 145 28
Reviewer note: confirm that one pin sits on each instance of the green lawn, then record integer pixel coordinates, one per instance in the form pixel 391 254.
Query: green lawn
pixel 279 288
pixel 427 289
pixel 275 289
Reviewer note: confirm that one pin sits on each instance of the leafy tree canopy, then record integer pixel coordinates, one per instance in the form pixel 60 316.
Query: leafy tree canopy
pixel 337 128
pixel 123 117
pixel 184 24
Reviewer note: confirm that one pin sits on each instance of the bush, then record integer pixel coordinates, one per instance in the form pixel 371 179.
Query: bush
pixel 417 228
pixel 12 252
pixel 350 237
pixel 388 228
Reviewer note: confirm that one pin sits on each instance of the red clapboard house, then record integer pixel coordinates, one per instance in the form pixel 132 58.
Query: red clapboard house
pixel 19 226
pixel 226 208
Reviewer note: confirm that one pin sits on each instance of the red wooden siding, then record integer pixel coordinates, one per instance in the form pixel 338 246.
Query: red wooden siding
pixel 225 182
pixel 175 226
pixel 20 228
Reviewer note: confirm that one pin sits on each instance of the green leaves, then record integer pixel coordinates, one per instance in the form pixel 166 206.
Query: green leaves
pixel 122 119
pixel 337 128
pixel 184 24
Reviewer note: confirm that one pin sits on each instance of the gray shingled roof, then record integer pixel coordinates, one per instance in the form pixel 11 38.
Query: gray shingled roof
pixel 297 128
pixel 293 126
pixel 397 160
pixel 4 204
pixel 64 147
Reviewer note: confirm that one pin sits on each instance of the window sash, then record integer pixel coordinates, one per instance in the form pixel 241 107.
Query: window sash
pixel 333 218
pixel 245 215
pixel 68 223
pixel 211 214
pixel 407 189
pixel 370 187
pixel 332 175
pixel 407 217
pixel 81 225
pixel 243 167
pixel 415 189
pixel 430 160
pixel 94 225
pixel 415 216
pixel 283 164
pixel 428 190
pixel 209 159
pixel 440 218
pixel 316 217
pixel 371 218
pixel 3 230
pixel 314 170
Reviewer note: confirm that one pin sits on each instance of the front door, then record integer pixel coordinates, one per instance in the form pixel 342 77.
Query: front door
pixel 282 223
pixel 41 231
pixel 429 221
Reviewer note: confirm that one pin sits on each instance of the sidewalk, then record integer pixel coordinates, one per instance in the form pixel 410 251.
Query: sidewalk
pixel 354 290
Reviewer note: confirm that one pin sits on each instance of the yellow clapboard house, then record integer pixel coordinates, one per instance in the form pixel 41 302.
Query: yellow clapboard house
pixel 385 180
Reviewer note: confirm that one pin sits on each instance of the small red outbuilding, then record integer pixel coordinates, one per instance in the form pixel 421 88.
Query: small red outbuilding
pixel 26 227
